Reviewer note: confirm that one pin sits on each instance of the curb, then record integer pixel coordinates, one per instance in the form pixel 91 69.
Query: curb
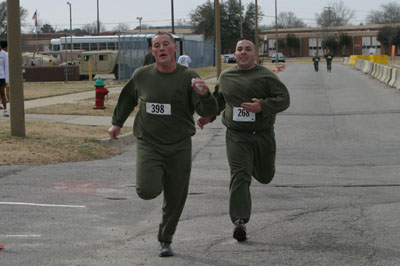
pixel 123 140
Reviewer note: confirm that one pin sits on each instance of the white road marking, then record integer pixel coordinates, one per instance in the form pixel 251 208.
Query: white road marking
pixel 21 235
pixel 42 205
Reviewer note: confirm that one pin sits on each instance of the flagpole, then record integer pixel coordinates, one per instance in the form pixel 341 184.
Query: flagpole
pixel 36 31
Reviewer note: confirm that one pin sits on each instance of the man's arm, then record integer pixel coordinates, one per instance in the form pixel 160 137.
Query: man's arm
pixel 279 99
pixel 126 103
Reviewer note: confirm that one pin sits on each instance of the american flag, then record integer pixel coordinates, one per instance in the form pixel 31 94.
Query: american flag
pixel 35 17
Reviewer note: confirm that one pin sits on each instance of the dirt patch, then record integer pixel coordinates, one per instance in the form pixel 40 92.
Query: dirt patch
pixel 47 143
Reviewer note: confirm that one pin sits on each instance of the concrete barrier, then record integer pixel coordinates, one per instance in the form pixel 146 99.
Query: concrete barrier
pixel 346 60
pixel 396 83
pixel 367 67
pixel 380 59
pixel 388 75
pixel 384 74
pixel 379 72
pixel 395 75
pixel 353 59
pixel 374 69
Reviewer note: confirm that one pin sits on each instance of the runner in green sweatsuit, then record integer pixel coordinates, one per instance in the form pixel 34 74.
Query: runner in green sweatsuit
pixel 251 95
pixel 163 126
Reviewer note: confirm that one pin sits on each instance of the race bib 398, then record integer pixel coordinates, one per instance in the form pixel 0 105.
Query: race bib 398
pixel 158 108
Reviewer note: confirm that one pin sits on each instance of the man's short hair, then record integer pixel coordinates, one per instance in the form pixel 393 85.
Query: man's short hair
pixel 3 44
pixel 245 39
pixel 163 33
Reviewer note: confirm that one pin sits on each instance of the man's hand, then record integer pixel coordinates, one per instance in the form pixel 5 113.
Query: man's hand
pixel 114 132
pixel 202 121
pixel 199 86
pixel 254 107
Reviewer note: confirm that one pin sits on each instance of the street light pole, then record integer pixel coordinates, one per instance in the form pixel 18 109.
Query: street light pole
pixel 98 20
pixel 140 23
pixel 70 25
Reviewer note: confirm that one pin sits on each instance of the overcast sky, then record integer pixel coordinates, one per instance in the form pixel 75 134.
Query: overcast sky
pixel 158 12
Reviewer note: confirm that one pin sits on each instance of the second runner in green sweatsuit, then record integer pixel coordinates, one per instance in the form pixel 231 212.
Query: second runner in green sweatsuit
pixel 251 95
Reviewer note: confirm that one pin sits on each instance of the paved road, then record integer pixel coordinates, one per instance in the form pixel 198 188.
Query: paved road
pixel 334 201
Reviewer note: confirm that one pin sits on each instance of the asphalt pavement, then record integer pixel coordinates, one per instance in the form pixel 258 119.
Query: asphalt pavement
pixel 334 199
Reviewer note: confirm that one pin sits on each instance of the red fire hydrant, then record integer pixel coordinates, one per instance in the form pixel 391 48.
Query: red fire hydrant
pixel 100 93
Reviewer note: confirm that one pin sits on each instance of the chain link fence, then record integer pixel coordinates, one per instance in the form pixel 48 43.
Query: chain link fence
pixel 132 50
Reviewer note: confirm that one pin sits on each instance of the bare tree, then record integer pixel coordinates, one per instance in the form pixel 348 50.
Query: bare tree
pixel 121 27
pixel 289 20
pixel 389 14
pixel 3 17
pixel 91 28
pixel 336 14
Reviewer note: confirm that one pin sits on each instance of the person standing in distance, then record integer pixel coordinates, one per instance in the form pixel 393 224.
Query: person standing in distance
pixel 149 58
pixel 163 126
pixel 184 60
pixel 251 96
pixel 316 60
pixel 329 57
pixel 4 76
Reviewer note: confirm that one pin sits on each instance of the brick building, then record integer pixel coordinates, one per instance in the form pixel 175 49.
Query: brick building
pixel 363 40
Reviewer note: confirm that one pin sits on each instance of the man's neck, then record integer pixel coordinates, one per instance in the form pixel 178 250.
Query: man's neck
pixel 166 69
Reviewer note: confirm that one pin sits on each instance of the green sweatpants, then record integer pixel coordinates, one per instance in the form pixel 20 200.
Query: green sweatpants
pixel 164 167
pixel 249 154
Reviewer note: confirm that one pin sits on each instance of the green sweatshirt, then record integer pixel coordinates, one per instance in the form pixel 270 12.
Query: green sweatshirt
pixel 167 103
pixel 237 86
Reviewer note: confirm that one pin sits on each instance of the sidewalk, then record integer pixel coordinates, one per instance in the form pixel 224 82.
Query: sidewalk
pixel 75 119
pixel 80 119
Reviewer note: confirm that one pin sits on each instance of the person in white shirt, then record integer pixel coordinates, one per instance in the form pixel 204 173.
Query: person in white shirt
pixel 184 60
pixel 4 75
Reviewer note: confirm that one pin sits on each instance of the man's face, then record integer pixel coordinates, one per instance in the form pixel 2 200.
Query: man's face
pixel 163 49
pixel 245 54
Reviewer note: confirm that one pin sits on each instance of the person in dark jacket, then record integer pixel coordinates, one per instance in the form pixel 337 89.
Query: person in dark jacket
pixel 328 58
pixel 168 94
pixel 250 96
pixel 316 60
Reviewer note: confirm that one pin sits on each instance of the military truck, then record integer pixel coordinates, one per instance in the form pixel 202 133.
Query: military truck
pixel 104 62
pixel 36 59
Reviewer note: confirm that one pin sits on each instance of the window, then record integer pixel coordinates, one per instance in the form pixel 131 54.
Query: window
pixel 85 46
pixel 77 46
pixel 102 46
pixel 111 45
pixel 94 46
pixel 103 57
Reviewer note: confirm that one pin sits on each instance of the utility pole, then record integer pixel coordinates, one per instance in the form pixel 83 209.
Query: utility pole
pixel 256 33
pixel 241 19
pixel 276 35
pixel 98 20
pixel 17 118
pixel 217 37
pixel 172 17
pixel 70 26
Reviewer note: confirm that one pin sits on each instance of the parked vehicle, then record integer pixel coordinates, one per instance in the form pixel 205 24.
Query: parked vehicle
pixel 229 58
pixel 281 58
pixel 102 62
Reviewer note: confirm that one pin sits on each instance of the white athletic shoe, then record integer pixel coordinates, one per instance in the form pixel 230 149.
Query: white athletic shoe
pixel 5 113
